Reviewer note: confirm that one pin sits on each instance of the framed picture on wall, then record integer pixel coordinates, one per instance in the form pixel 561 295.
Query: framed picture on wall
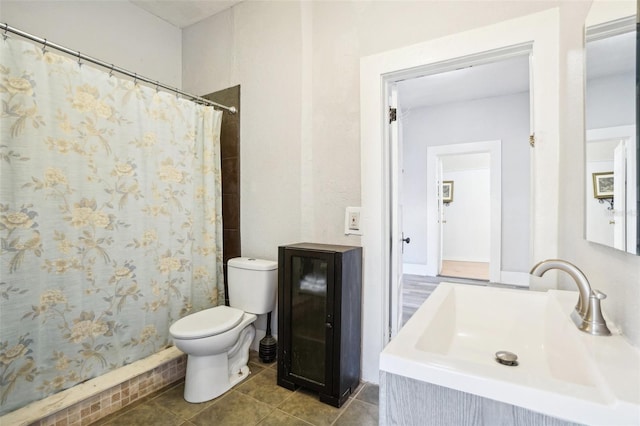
pixel 603 185
pixel 447 191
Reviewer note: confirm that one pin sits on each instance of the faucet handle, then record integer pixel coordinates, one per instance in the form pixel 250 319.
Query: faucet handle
pixel 598 294
pixel 594 322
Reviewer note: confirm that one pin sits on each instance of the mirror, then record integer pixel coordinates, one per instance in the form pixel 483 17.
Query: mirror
pixel 612 177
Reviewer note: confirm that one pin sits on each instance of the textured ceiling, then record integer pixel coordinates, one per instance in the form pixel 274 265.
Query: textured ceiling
pixel 183 13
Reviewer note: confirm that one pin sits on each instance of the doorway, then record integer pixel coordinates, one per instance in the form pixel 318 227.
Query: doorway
pixel 465 228
pixel 465 240
pixel 524 34
pixel 449 185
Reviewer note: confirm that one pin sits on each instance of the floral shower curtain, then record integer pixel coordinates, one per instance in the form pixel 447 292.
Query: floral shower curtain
pixel 110 220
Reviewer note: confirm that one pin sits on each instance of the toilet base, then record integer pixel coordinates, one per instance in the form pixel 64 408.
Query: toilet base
pixel 210 376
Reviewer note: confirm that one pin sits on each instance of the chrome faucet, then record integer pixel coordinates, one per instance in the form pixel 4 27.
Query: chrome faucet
pixel 587 315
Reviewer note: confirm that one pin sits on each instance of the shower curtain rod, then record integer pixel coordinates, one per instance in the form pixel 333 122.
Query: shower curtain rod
pixel 112 68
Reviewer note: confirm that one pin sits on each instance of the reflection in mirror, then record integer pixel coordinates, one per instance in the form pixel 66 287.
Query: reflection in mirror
pixel 612 146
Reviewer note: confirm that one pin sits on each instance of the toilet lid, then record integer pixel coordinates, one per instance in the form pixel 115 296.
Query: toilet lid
pixel 208 322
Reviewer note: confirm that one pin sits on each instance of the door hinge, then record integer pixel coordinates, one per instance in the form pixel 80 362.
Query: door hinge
pixel 393 115
pixel 532 140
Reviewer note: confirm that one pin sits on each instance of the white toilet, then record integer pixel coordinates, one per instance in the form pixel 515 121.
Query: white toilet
pixel 217 340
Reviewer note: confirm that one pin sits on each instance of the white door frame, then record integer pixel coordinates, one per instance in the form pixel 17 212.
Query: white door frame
pixel 541 31
pixel 434 237
pixel 395 194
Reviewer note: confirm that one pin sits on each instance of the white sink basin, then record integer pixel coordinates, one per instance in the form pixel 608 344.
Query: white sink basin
pixel 562 372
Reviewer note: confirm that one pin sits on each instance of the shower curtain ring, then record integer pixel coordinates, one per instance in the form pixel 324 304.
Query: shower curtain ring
pixel 135 79
pixel 79 60
pixel 44 46
pixel 157 86
pixel 111 71
pixel 6 28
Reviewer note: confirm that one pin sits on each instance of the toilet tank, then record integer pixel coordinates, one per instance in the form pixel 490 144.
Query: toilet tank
pixel 252 284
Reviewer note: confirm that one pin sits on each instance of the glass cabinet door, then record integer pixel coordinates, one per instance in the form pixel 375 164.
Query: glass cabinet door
pixel 310 321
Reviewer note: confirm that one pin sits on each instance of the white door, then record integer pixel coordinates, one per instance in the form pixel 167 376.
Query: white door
pixel 619 190
pixel 397 238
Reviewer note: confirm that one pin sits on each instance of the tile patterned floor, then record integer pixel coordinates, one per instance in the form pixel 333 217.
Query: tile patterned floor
pixel 256 401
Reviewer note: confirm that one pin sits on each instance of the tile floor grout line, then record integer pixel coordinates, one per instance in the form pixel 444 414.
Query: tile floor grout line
pixel 295 417
pixel 368 403
pixel 266 415
pixel 277 407
pixel 256 399
pixel 344 410
pixel 361 387
pixel 204 404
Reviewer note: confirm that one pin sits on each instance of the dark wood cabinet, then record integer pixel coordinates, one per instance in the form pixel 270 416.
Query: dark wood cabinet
pixel 319 319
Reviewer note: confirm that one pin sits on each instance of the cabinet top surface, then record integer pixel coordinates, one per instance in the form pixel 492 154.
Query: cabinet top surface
pixel 321 247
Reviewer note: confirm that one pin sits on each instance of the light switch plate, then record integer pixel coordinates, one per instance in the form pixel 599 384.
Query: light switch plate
pixel 352 221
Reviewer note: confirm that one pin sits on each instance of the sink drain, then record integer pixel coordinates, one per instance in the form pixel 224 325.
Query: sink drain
pixel 507 358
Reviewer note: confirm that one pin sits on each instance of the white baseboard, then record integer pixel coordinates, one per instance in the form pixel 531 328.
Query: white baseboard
pixel 466 259
pixel 414 269
pixel 520 279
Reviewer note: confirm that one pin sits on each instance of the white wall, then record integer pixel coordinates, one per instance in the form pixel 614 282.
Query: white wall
pixel 113 31
pixel 610 101
pixel 466 234
pixel 503 118
pixel 299 94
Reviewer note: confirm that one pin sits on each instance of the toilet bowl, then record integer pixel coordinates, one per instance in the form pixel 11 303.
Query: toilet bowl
pixel 217 340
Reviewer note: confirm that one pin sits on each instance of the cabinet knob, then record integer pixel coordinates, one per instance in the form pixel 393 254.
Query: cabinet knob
pixel 328 325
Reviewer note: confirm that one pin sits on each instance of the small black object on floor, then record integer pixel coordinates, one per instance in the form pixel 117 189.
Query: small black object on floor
pixel 268 345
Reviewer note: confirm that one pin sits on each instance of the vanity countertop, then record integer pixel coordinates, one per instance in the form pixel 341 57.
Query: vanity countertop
pixel 562 372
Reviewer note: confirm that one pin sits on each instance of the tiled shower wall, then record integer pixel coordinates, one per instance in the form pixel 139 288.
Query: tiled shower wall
pixel 230 157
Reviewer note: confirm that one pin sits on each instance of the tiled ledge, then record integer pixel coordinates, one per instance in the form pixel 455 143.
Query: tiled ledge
pixel 103 395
